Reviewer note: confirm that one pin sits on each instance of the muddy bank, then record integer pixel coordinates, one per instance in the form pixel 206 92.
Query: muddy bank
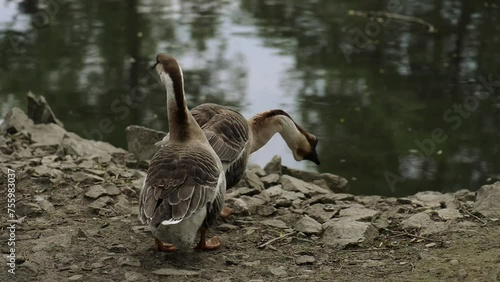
pixel 76 220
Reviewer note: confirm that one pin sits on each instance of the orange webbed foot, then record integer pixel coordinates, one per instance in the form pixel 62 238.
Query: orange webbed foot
pixel 226 212
pixel 164 247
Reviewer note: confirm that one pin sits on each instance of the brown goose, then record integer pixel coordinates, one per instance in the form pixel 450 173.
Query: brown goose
pixel 184 189
pixel 234 138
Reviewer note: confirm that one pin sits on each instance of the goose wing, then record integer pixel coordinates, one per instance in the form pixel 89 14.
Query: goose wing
pixel 178 184
pixel 227 131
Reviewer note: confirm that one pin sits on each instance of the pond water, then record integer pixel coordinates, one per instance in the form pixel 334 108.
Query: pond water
pixel 400 104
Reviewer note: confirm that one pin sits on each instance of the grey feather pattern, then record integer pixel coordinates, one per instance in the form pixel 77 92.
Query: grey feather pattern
pixel 179 183
pixel 228 133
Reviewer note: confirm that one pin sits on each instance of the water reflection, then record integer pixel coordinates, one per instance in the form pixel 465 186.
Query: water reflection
pixel 373 89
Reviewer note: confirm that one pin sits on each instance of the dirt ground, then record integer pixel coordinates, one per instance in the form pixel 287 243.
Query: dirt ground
pixel 72 242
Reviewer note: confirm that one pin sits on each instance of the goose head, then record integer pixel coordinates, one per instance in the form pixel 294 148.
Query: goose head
pixel 305 147
pixel 169 70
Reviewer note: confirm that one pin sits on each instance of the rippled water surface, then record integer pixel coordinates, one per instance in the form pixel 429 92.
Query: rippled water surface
pixel 403 95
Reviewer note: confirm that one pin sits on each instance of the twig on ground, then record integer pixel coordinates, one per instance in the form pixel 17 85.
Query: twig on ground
pixel 413 236
pixel 474 216
pixel 276 239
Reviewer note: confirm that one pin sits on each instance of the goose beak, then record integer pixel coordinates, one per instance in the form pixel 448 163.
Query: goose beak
pixel 313 157
pixel 154 66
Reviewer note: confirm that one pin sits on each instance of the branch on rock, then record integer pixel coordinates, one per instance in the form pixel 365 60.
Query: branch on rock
pixel 277 239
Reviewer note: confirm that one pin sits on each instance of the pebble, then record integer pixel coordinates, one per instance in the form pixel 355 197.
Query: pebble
pixel 278 271
pixel 303 260
pixel 308 225
pixel 275 223
pixel 175 272
pixel 75 277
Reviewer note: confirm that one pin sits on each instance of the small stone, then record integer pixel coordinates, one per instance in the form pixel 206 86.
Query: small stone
pixel 487 202
pixel 319 213
pixel 100 203
pixel 246 191
pixel 283 203
pixel 274 191
pixel 141 141
pixel 111 190
pixel 430 245
pixel 404 201
pixel 270 179
pixel 433 199
pixel 75 277
pixel 275 223
pixel 251 263
pixel 266 210
pixel 278 271
pixel 175 272
pixel 303 260
pixel 308 225
pixel 225 227
pixel 254 181
pixel 449 214
pixel 342 232
pixel 292 196
pixel 134 276
pixel 95 191
pixel 454 262
pixel 128 261
pixel 118 248
pixel 239 206
pixel 86 178
pixel 358 213
pixel 418 220
pixel 274 166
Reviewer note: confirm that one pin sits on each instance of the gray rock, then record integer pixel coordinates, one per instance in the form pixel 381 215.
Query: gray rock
pixel 118 248
pixel 39 110
pixel 303 260
pixel 278 271
pixel 95 191
pixel 141 141
pixel 294 184
pixel 270 179
pixel 238 206
pixel 75 277
pixel 318 212
pixel 419 220
pixel 434 228
pixel 111 189
pixel 85 177
pixel 100 203
pixel 334 182
pixel 122 205
pixel 251 263
pixel 358 213
pixel 76 146
pixel 15 121
pixel 46 243
pixel 449 214
pixel 433 199
pixel 274 166
pixel 246 191
pixel 488 200
pixel 134 276
pixel 274 191
pixel 465 195
pixel 266 210
pixel 44 171
pixel 175 272
pixel 292 196
pixel 225 227
pixel 308 225
pixel 275 223
pixel 253 180
pixel 255 168
pixel 342 232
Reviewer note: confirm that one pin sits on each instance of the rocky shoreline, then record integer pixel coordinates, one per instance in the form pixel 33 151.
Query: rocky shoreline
pixel 76 219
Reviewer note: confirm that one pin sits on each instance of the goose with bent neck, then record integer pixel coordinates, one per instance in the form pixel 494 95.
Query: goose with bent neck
pixel 184 188
pixel 234 138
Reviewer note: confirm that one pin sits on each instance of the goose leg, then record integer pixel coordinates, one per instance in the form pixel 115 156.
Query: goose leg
pixel 210 244
pixel 164 247
pixel 226 212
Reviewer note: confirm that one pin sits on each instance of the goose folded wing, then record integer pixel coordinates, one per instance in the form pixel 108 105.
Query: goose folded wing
pixel 177 187
pixel 228 135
